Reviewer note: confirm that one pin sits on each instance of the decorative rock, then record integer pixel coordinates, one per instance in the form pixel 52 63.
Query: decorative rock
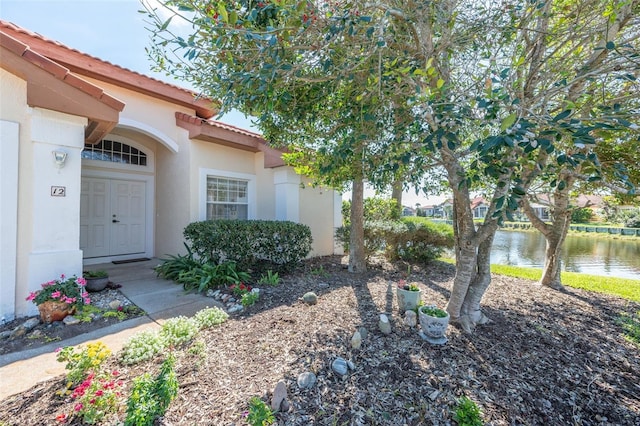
pixel 339 366
pixel 433 395
pixel 115 304
pixel 306 380
pixel 323 285
pixel 70 320
pixel 17 332
pixel 234 308
pixel 210 293
pixel 384 324
pixel 226 297
pixel 279 395
pixel 36 334
pixel 255 290
pixel 217 294
pixel 351 365
pixel 356 340
pixel 31 323
pixel 285 406
pixel 310 298
pixel 363 332
pixel 410 318
pixel 232 299
pixel 5 334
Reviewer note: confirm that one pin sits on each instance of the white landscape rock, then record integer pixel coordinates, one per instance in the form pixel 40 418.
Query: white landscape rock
pixel 356 340
pixel 306 380
pixel 310 298
pixel 279 395
pixel 340 366
pixel 384 324
pixel 410 318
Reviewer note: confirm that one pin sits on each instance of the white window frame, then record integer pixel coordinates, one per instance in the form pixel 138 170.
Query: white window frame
pixel 149 168
pixel 251 189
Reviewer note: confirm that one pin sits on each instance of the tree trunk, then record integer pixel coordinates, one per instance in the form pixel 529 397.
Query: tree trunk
pixel 396 194
pixel 552 262
pixel 554 232
pixel 471 314
pixel 557 232
pixel 357 260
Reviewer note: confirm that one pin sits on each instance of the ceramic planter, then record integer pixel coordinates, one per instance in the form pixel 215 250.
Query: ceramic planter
pixel 433 329
pixel 408 300
pixel 96 284
pixel 51 311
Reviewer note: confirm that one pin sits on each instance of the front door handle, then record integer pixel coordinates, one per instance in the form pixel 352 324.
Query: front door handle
pixel 115 221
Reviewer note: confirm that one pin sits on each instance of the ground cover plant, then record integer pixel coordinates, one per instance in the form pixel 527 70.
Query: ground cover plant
pixel 550 357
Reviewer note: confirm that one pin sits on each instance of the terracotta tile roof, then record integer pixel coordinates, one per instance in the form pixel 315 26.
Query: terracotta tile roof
pixel 90 66
pixel 58 71
pixel 236 129
pixel 225 134
pixel 43 74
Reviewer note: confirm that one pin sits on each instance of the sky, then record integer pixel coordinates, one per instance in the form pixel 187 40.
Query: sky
pixel 114 31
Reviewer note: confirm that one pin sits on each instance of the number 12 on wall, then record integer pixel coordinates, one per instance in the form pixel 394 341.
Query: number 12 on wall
pixel 58 191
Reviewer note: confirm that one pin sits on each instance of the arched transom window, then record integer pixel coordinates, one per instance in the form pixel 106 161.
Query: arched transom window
pixel 115 152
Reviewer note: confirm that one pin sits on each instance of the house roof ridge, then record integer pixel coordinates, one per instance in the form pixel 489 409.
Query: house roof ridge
pixel 14 27
pixel 234 128
pixel 220 124
pixel 30 33
pixel 58 71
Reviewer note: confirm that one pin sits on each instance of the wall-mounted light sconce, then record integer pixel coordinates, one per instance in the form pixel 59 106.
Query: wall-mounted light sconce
pixel 59 157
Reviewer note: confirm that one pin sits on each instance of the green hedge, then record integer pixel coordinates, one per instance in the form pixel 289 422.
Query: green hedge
pixel 251 244
pixel 412 239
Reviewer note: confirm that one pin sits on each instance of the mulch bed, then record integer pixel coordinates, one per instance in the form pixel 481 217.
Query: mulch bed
pixel 552 358
pixel 43 334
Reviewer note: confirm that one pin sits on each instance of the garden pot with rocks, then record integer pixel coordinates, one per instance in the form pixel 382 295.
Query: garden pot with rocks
pixel 409 297
pixel 433 324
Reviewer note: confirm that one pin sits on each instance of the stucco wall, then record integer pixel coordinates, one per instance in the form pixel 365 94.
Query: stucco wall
pixel 47 226
pixel 318 210
pixel 13 116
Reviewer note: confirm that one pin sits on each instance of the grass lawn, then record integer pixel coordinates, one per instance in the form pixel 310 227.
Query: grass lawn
pixel 623 287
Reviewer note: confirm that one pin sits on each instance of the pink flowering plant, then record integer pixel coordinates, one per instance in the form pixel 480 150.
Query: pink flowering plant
pixel 96 397
pixel 66 290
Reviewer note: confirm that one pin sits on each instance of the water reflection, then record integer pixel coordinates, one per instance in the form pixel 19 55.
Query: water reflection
pixel 589 255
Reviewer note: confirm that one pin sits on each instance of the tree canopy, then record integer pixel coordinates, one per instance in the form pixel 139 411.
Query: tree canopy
pixel 501 95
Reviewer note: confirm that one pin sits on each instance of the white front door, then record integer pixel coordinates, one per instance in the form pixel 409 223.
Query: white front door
pixel 112 217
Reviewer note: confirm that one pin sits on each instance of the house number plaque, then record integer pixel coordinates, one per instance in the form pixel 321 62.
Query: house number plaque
pixel 58 191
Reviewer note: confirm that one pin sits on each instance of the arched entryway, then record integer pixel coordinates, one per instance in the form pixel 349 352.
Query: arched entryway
pixel 116 201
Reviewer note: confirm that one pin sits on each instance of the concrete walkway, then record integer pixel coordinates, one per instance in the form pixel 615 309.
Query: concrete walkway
pixel 159 298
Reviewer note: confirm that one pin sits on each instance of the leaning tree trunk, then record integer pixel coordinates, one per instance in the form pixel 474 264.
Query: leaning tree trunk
pixel 555 236
pixel 554 233
pixel 470 313
pixel 396 194
pixel 357 259
pixel 552 260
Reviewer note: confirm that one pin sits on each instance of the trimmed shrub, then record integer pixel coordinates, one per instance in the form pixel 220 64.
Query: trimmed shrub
pixel 412 239
pixel 251 244
pixel 375 209
pixel 418 240
pixel 632 220
pixel 581 215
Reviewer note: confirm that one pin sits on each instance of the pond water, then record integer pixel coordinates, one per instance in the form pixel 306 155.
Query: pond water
pixel 585 254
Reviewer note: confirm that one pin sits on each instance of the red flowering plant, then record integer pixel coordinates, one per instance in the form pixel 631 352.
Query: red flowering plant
pixel 240 290
pixel 66 290
pixel 97 397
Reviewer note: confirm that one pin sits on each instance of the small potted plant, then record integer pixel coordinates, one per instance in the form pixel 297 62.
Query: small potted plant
pixel 59 298
pixel 96 280
pixel 409 296
pixel 433 323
